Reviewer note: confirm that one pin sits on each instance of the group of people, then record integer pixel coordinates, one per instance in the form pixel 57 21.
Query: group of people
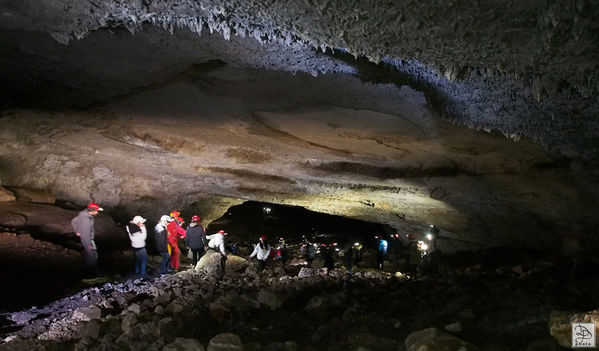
pixel 168 231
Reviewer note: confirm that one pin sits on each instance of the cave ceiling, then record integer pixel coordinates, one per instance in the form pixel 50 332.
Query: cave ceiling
pixel 478 116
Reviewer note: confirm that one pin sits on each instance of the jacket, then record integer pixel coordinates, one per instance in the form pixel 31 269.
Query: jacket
pixel 160 236
pixel 261 253
pixel 174 232
pixel 83 224
pixel 137 235
pixel 217 242
pixel 195 237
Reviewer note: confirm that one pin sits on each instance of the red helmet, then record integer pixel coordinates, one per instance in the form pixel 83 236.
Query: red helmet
pixel 94 206
pixel 195 219
pixel 222 232
pixel 175 214
pixel 263 237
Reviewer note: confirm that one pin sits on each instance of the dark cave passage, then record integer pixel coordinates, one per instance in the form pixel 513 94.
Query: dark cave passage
pixel 250 220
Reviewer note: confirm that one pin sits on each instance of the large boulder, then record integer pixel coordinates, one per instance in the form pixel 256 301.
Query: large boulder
pixel 560 324
pixel 432 339
pixel 87 313
pixel 235 264
pixel 225 342
pixel 211 264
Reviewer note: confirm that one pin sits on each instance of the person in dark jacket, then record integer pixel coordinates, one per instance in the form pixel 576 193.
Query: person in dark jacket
pixel 413 257
pixel 162 243
pixel 83 225
pixel 328 257
pixel 195 239
pixel 348 255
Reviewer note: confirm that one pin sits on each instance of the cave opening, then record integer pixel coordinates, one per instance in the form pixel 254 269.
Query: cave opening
pixel 252 219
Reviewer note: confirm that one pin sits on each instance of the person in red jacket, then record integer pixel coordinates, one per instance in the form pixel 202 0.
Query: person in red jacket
pixel 175 231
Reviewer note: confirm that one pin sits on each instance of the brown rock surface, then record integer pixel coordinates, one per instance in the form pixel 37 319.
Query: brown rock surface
pixel 373 152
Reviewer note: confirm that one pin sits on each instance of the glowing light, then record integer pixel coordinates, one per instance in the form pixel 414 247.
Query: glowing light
pixel 429 236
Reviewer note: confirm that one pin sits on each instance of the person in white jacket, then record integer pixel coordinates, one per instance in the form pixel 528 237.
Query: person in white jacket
pixel 138 234
pixel 217 243
pixel 262 252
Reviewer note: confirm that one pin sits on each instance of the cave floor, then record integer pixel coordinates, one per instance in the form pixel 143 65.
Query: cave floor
pixel 502 300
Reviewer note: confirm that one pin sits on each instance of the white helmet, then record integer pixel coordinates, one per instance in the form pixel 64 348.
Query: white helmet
pixel 166 218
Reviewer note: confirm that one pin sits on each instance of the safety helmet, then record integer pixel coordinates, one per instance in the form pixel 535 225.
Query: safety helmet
pixel 263 237
pixel 195 219
pixel 138 220
pixel 166 218
pixel 222 232
pixel 94 207
pixel 175 214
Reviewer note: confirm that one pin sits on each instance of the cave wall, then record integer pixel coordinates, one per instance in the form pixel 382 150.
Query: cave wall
pixel 213 138
pixel 523 68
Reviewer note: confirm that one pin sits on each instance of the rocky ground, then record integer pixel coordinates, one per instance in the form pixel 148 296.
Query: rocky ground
pixel 492 300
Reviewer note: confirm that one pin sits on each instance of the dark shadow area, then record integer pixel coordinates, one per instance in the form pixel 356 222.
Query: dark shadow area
pixel 250 220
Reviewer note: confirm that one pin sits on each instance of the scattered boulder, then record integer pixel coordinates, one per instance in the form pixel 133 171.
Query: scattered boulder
pixel 87 313
pixel 432 339
pixel 225 342
pixel 90 329
pixel 560 324
pixel 235 264
pixel 455 327
pixel 270 299
pixel 184 344
pixel 218 312
pixel 307 272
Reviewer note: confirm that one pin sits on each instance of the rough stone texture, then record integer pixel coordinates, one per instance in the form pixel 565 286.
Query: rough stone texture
pixel 433 339
pixel 6 195
pixel 51 222
pixel 32 195
pixel 560 324
pixel 210 264
pixel 87 313
pixel 225 342
pixel 529 70
pixel 366 151
pixel 184 344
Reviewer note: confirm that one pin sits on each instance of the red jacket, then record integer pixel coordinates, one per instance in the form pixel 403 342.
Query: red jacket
pixel 174 232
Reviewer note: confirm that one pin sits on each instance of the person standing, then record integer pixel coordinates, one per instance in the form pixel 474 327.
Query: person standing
pixel 175 231
pixel 262 252
pixel 413 257
pixel 381 252
pixel 83 225
pixel 282 251
pixel 329 261
pixel 162 243
pixel 217 243
pixel 138 234
pixel 195 239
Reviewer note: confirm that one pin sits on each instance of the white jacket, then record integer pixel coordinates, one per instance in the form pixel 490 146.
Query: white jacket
pixel 138 239
pixel 262 254
pixel 217 242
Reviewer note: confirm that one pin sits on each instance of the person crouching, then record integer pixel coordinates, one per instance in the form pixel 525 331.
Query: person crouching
pixel 137 234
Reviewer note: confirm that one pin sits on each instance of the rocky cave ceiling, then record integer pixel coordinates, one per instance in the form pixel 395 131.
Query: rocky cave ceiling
pixel 357 108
